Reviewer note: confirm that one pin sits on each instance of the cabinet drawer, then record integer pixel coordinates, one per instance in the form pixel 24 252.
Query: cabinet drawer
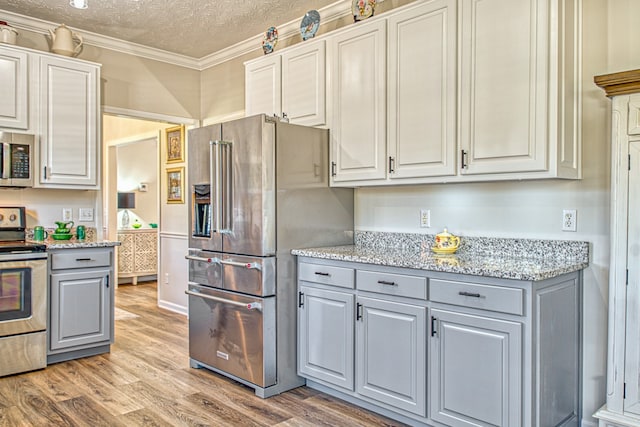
pixel 326 274
pixel 80 258
pixel 392 284
pixel 486 297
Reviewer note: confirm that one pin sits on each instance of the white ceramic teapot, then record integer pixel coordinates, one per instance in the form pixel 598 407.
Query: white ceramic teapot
pixel 65 42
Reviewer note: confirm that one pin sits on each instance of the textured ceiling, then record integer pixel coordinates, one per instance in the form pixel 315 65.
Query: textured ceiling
pixel 194 28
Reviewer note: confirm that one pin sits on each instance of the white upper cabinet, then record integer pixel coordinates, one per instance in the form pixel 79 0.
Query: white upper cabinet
pixel 14 94
pixel 518 93
pixel 303 84
pixel 421 67
pixel 69 124
pixel 439 91
pixel 358 98
pixel 263 86
pixel 290 84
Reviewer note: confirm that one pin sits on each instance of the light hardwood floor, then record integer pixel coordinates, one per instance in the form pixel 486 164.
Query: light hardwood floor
pixel 146 381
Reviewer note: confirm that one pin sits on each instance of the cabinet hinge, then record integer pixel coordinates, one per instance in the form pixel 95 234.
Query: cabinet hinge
pixel 624 391
pixel 629 162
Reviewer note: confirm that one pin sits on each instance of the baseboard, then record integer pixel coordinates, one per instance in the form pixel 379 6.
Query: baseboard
pixel 173 307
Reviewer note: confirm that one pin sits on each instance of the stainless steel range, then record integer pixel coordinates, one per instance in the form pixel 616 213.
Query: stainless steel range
pixel 23 296
pixel 258 189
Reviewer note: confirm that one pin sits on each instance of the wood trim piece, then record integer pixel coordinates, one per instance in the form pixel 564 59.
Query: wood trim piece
pixel 622 83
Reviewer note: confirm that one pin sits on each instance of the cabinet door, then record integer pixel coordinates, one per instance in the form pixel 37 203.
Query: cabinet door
pixel 475 370
pixel 303 84
pixel 391 353
pixel 69 140
pixel 504 85
pixel 126 253
pixel 80 308
pixel 632 344
pixel 13 90
pixel 358 100
pixel 422 90
pixel 146 252
pixel 325 336
pixel 263 87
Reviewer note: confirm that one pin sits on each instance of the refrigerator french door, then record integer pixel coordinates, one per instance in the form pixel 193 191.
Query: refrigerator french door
pixel 258 189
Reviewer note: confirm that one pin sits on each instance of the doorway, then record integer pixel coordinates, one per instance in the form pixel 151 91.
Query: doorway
pixel 135 162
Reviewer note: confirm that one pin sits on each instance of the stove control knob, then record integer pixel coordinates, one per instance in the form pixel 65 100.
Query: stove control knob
pixel 1 217
pixel 12 217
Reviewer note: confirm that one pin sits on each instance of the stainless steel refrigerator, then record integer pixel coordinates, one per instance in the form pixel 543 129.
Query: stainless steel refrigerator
pixel 258 188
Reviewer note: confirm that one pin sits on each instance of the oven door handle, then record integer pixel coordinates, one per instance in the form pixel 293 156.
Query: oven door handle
pixel 6 160
pixel 249 265
pixel 255 305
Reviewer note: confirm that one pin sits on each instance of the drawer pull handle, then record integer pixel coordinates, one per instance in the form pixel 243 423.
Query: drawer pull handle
pixel 84 259
pixel 386 282
pixel 469 294
pixel 320 273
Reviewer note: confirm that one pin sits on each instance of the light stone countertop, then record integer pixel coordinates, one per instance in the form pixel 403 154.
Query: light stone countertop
pixel 74 243
pixel 518 259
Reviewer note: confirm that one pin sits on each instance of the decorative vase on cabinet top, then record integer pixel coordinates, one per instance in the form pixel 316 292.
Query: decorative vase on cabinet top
pixel 7 33
pixel 65 42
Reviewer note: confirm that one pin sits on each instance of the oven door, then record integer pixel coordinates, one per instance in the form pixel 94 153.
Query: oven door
pixel 23 295
pixel 233 334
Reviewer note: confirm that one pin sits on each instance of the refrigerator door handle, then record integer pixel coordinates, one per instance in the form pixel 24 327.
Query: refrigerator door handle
pixel 255 305
pixel 214 168
pixel 203 259
pixel 226 180
pixel 214 260
pixel 249 265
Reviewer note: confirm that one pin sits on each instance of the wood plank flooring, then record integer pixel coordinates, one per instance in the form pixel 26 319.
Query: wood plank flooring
pixel 146 381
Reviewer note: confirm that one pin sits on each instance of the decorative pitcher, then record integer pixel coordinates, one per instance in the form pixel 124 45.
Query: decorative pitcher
pixel 65 42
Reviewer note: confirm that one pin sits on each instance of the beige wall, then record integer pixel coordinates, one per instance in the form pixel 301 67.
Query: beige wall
pixel 135 83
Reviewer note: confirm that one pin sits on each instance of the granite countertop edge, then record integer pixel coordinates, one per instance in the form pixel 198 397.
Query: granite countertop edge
pixel 79 244
pixel 502 267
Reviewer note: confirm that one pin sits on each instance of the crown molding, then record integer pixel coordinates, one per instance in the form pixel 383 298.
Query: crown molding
pixel 332 12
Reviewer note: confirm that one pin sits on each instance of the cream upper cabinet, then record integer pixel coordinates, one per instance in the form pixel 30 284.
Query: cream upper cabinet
pixel 303 84
pixel 421 56
pixel 263 86
pixel 358 99
pixel 14 94
pixel 290 84
pixel 69 123
pixel 518 92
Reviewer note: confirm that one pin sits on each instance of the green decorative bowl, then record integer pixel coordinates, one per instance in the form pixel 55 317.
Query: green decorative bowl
pixel 61 236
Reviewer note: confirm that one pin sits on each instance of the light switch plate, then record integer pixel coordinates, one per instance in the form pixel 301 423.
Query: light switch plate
pixel 85 214
pixel 67 214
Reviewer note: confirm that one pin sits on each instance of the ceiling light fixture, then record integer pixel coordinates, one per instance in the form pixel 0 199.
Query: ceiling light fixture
pixel 79 4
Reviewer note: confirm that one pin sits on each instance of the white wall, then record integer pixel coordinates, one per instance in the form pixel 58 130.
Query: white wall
pixel 136 165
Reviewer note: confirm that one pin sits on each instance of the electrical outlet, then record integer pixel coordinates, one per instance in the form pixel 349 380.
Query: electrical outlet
pixel 166 278
pixel 425 218
pixel 569 220
pixel 67 214
pixel 85 214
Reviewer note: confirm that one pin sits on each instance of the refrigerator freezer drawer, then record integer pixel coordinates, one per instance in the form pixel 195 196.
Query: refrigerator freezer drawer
pixel 233 333
pixel 237 273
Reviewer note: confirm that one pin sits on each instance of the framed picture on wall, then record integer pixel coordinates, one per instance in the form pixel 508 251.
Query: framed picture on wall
pixel 175 144
pixel 175 185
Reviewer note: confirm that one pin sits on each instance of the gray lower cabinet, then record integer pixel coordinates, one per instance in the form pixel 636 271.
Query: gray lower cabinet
pixel 391 353
pixel 325 346
pixel 442 349
pixel 476 370
pixel 81 303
